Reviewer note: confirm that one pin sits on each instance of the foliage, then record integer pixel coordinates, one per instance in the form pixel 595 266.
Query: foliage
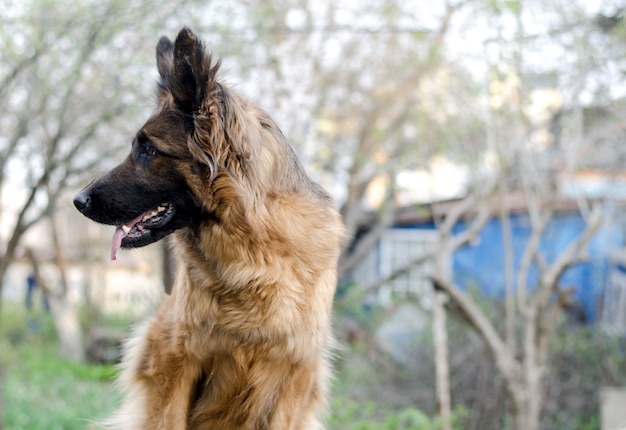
pixel 65 394
pixel 583 358
pixel 19 326
pixel 372 388
pixel 350 304
pixel 371 392
pixel 350 415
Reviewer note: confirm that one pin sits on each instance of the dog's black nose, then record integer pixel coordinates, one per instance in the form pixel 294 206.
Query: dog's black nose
pixel 82 201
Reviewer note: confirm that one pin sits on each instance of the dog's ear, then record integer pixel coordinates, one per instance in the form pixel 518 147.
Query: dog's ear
pixel 192 75
pixel 164 60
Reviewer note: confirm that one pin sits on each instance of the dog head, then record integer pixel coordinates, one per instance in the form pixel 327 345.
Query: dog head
pixel 194 146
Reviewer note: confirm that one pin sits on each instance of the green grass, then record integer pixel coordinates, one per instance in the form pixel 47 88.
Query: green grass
pixel 41 391
pixel 351 415
pixel 356 382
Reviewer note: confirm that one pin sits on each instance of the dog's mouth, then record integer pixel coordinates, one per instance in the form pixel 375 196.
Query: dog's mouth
pixel 142 230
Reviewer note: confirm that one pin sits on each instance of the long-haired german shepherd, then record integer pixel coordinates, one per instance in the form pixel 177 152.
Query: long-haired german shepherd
pixel 243 340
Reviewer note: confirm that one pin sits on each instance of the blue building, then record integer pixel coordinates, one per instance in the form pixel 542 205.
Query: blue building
pixel 480 266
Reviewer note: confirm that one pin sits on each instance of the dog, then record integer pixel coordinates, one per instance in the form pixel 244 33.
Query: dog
pixel 244 339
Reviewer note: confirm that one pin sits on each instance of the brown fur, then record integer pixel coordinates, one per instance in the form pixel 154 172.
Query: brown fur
pixel 243 341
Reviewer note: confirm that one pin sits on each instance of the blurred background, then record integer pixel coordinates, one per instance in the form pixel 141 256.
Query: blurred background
pixel 475 148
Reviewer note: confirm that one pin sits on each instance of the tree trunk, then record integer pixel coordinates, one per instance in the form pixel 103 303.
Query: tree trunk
pixel 526 408
pixel 21 226
pixel 442 371
pixel 8 256
pixel 525 392
pixel 64 317
pixel 67 324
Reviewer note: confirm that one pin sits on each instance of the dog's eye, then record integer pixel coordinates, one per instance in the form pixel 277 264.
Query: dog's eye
pixel 149 150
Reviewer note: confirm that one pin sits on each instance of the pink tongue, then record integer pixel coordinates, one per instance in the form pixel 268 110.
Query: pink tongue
pixel 119 235
pixel 117 242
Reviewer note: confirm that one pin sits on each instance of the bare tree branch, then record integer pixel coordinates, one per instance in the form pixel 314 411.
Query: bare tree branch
pixel 473 315
pixel 349 260
pixel 402 270
pixel 549 279
pixel 531 253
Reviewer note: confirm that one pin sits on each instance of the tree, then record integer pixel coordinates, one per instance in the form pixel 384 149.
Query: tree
pixel 72 79
pixel 527 158
pixel 356 90
pixel 521 361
